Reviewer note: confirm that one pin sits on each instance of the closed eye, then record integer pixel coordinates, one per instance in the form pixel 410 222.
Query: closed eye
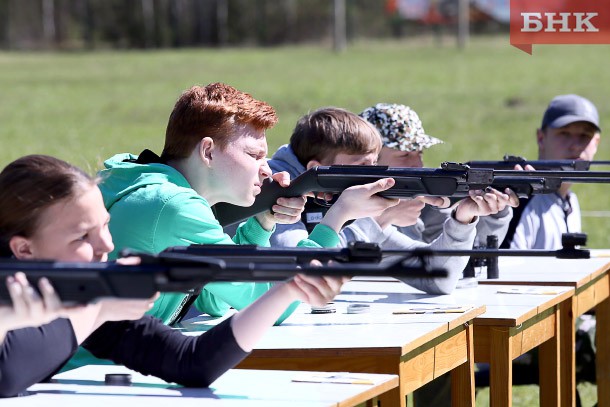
pixel 258 156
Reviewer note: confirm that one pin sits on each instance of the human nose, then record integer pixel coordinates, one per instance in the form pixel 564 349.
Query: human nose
pixel 577 147
pixel 265 170
pixel 104 244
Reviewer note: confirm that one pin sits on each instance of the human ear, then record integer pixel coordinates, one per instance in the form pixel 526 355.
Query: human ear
pixel 596 139
pixel 206 147
pixel 313 163
pixel 595 142
pixel 540 140
pixel 21 248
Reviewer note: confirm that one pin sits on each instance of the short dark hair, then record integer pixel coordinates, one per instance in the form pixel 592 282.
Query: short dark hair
pixel 329 131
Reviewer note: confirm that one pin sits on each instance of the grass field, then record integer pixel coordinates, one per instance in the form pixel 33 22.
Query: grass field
pixel 484 101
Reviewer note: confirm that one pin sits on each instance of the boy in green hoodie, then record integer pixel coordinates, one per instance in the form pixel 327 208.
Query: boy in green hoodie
pixel 215 151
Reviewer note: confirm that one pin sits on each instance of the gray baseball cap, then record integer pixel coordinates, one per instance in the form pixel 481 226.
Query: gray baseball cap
pixel 568 109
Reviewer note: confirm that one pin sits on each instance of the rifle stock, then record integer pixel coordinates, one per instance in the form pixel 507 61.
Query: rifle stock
pixel 451 180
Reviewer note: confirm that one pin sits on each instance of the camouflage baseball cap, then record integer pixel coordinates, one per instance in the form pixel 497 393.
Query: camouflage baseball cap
pixel 399 126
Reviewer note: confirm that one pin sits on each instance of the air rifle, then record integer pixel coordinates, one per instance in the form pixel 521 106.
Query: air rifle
pixel 182 272
pixel 509 162
pixel 361 252
pixel 451 180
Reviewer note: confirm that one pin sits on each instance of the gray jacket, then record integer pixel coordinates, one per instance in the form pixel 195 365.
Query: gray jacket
pixel 429 226
pixel 454 236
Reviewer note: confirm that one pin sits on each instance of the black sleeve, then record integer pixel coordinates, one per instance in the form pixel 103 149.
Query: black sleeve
pixel 30 355
pixel 151 348
pixel 514 222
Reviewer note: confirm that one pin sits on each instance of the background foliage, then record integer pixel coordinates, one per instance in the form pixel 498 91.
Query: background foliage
pixel 484 102
pixel 84 106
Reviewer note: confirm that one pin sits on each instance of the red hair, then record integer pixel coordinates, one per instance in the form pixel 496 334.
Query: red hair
pixel 212 111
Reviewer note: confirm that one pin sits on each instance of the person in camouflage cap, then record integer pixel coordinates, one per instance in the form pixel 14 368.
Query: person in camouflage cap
pixel 399 126
pixel 404 141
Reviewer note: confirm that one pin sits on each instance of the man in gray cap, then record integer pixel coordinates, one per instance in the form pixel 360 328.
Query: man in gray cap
pixel 570 130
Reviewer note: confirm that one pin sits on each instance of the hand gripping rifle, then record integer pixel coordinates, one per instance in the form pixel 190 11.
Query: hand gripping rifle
pixel 181 271
pixel 451 180
pixel 509 162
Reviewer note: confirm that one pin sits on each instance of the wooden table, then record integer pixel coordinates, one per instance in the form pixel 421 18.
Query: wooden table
pixel 590 280
pixel 512 325
pixel 418 348
pixel 236 388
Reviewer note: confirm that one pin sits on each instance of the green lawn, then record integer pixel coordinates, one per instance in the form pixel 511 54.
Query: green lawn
pixel 484 101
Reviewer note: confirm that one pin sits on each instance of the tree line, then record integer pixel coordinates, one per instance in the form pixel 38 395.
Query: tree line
pixel 94 24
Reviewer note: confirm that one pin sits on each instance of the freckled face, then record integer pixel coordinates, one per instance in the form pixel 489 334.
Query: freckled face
pixel 241 167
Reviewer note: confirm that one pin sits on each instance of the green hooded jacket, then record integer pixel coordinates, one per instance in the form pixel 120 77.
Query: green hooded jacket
pixel 153 207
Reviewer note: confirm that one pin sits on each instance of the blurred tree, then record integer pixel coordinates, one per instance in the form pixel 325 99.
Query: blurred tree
pixel 181 23
pixel 48 22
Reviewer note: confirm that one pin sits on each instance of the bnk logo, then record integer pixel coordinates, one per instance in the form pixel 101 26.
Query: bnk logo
pixel 559 22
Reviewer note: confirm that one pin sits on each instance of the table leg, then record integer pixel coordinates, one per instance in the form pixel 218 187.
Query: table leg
pixel 462 377
pixel 500 367
pixel 567 329
pixel 393 398
pixel 602 314
pixel 549 367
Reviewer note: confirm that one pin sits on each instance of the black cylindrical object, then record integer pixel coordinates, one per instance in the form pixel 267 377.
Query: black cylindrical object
pixel 492 261
pixel 118 379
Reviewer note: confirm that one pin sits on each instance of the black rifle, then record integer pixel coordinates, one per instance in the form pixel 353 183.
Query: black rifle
pixel 183 272
pixel 451 180
pixel 371 252
pixel 361 252
pixel 509 162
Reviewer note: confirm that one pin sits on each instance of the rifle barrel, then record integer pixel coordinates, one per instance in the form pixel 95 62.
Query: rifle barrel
pixel 562 253
pixel 556 165
pixel 451 180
